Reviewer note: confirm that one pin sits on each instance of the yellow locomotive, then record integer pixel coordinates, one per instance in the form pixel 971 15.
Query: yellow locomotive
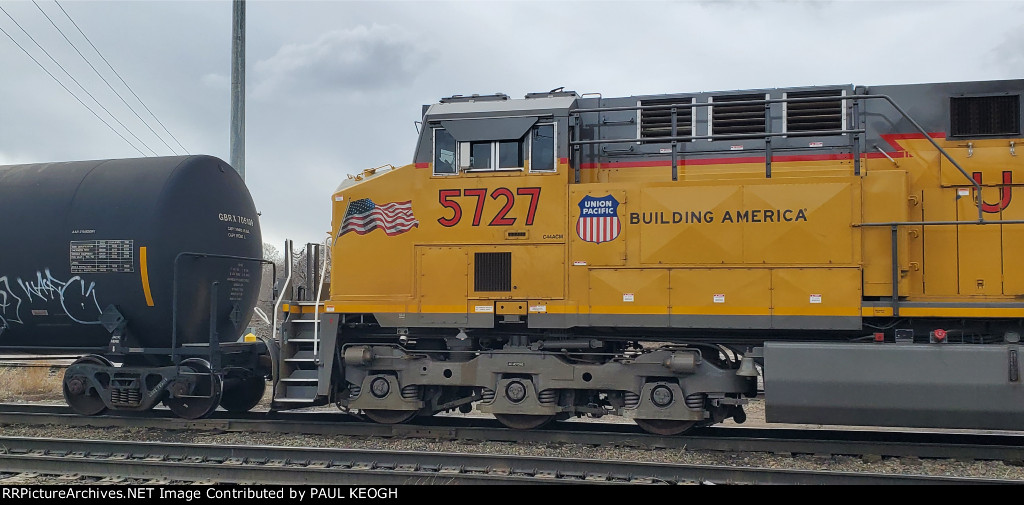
pixel 648 256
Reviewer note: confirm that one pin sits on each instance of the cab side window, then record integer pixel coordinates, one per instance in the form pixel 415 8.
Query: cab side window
pixel 511 154
pixel 479 155
pixel 542 148
pixel 444 152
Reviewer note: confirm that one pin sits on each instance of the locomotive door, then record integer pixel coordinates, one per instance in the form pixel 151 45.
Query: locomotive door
pixel 983 266
pixel 442 284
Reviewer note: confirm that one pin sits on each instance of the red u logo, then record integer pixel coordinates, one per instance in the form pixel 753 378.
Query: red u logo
pixel 1004 193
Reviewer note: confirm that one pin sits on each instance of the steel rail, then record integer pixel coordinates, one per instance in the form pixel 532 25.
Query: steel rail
pixel 867 442
pixel 28 364
pixel 321 466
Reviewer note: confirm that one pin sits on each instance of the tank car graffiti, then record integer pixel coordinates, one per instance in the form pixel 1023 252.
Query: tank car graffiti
pixel 9 304
pixel 76 297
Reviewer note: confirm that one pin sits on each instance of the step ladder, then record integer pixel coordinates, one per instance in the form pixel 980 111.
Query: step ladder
pixel 299 367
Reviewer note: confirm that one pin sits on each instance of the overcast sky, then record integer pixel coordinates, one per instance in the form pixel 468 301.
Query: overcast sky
pixel 334 87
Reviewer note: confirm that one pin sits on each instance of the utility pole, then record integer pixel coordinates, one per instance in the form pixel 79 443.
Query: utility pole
pixel 238 87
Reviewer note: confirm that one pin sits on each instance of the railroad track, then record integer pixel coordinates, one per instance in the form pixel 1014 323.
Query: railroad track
pixel 33 364
pixel 358 467
pixel 866 443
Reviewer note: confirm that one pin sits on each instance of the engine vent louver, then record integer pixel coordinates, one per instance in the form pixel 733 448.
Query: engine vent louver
pixel 826 114
pixel 492 271
pixel 984 115
pixel 737 119
pixel 658 123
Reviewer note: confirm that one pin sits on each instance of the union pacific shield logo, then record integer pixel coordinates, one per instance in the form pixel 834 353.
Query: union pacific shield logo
pixel 599 219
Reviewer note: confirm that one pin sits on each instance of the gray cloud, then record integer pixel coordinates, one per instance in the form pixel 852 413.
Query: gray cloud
pixel 339 62
pixel 1009 54
pixel 334 87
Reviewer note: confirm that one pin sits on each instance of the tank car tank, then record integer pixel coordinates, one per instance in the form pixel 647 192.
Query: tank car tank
pixel 82 236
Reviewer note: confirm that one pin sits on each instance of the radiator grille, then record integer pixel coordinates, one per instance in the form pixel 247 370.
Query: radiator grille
pixel 737 119
pixel 658 123
pixel 826 114
pixel 493 272
pixel 984 115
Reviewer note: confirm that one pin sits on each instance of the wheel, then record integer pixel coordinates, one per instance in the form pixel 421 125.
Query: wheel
pixel 244 393
pixel 196 398
pixel 77 393
pixel 390 416
pixel 523 421
pixel 666 427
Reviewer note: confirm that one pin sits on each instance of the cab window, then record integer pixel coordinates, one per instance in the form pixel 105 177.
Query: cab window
pixel 511 153
pixel 444 152
pixel 493 155
pixel 479 155
pixel 542 148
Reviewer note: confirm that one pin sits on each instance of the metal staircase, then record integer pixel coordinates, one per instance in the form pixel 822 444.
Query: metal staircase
pixel 299 363
pixel 299 366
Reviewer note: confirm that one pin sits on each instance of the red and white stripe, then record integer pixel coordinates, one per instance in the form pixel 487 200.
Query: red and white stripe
pixel 598 229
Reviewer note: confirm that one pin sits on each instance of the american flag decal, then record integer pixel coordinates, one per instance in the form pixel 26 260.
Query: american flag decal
pixel 599 219
pixel 364 216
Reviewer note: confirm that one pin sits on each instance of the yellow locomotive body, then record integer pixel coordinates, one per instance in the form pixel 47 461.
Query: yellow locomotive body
pixel 723 246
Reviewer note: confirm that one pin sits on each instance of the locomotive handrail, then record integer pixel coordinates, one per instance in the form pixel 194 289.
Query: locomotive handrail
pixel 730 136
pixel 174 290
pixel 287 280
pixel 316 306
pixel 936 223
pixel 766 135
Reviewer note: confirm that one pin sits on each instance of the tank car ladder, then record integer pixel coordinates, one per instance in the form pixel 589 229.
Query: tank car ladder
pixel 299 364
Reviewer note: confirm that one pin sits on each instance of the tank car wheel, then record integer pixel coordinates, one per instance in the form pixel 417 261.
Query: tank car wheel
pixel 244 394
pixel 523 421
pixel 390 416
pixel 666 427
pixel 202 398
pixel 76 389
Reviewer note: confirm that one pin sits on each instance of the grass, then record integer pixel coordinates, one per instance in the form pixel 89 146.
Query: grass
pixel 30 383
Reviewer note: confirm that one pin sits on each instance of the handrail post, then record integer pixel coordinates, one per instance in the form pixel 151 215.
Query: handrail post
pixel 284 286
pixel 576 152
pixel 214 338
pixel 895 272
pixel 316 307
pixel 768 140
pixel 675 166
pixel 855 113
